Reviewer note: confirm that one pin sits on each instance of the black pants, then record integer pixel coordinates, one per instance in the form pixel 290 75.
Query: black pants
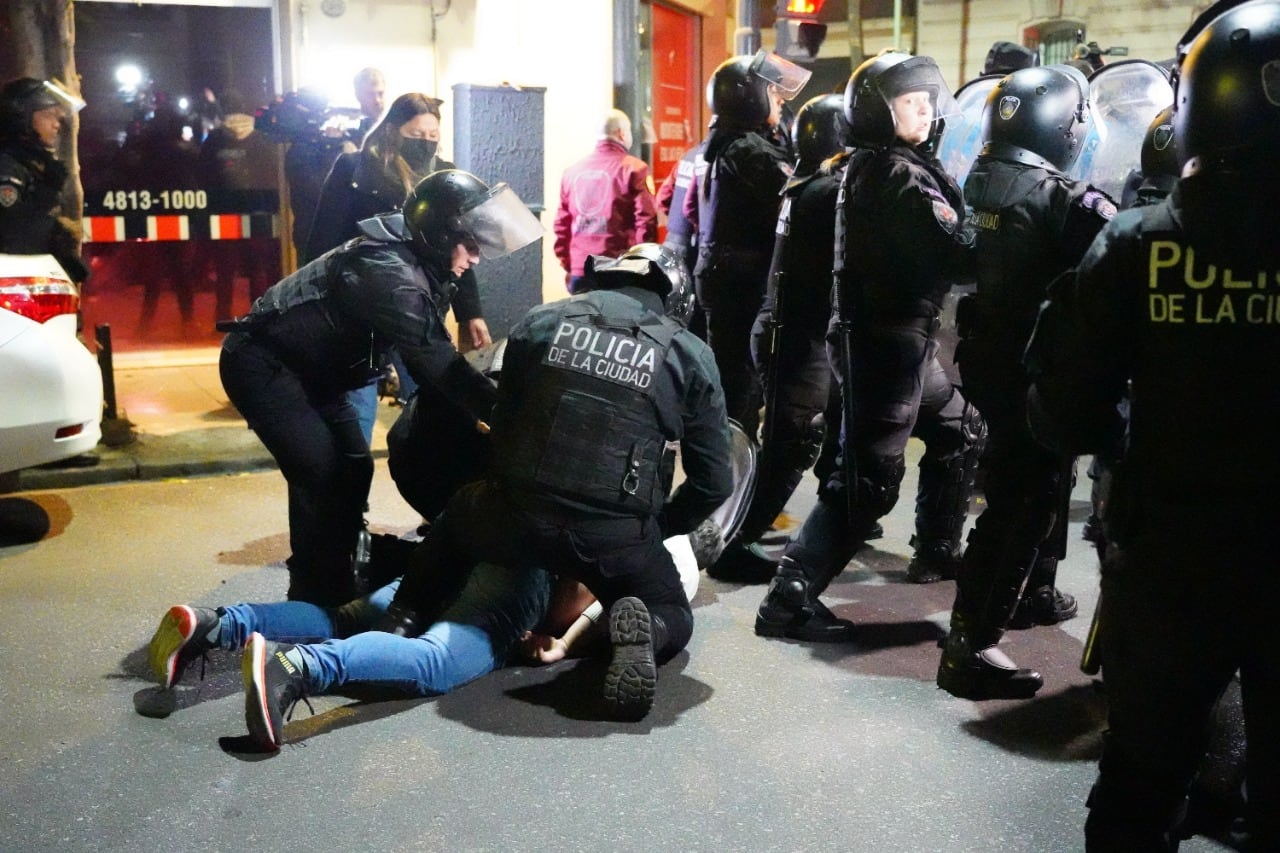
pixel 1027 490
pixel 1188 600
pixel 730 307
pixel 315 437
pixel 897 383
pixel 612 557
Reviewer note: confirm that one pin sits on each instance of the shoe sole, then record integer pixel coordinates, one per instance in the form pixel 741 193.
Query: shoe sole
pixel 257 711
pixel 1022 623
pixel 175 631
pixel 632 677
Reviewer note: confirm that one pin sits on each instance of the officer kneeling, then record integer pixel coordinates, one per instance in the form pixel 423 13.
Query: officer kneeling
pixel 593 389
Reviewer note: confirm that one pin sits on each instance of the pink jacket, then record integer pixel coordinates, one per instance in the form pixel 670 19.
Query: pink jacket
pixel 606 206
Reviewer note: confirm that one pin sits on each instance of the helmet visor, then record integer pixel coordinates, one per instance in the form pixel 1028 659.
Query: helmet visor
pixel 788 77
pixel 61 97
pixel 501 223
pixel 918 74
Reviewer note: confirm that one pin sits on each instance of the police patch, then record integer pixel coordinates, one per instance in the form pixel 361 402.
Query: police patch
pixel 8 195
pixel 602 354
pixel 946 216
pixel 1008 106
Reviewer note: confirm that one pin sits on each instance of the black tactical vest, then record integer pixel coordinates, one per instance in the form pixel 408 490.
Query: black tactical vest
pixel 584 427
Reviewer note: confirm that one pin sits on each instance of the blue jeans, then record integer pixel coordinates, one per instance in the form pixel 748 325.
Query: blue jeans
pixel 338 647
pixel 365 401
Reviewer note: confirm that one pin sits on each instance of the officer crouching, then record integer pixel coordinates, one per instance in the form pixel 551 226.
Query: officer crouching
pixel 593 390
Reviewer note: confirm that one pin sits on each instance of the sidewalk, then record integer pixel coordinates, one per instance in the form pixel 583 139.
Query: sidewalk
pixel 182 426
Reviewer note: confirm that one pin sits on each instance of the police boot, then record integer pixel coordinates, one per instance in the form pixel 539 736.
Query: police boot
pixel 974 667
pixel 791 609
pixel 933 561
pixel 631 680
pixel 1042 603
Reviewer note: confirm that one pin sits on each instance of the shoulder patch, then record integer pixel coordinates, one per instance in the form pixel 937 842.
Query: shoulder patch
pixel 8 195
pixel 946 216
pixel 1097 201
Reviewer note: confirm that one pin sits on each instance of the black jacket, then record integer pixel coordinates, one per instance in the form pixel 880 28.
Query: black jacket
pixel 31 182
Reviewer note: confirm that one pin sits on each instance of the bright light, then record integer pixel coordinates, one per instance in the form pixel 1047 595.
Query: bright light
pixel 184 103
pixel 129 77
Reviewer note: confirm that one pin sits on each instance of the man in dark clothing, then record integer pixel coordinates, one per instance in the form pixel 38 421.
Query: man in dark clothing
pixel 32 113
pixel 326 328
pixel 1178 300
pixel 737 209
pixel 592 390
pixel 900 243
pixel 1033 223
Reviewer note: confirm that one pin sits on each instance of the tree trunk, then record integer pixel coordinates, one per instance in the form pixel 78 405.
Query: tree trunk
pixel 37 39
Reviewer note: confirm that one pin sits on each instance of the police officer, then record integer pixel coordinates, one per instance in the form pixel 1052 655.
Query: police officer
pixel 1154 180
pixel 900 242
pixel 32 178
pixel 1032 223
pixel 788 338
pixel 592 389
pixel 737 209
pixel 325 329
pixel 1177 299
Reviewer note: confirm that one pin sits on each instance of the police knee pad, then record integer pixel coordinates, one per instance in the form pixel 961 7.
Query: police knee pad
pixel 879 481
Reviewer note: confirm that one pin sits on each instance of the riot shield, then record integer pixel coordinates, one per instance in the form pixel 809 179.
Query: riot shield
pixel 1123 97
pixel 962 140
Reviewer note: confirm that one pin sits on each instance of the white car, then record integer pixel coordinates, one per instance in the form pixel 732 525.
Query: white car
pixel 50 385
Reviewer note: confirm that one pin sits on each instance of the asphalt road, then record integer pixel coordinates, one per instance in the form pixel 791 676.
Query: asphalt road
pixel 751 745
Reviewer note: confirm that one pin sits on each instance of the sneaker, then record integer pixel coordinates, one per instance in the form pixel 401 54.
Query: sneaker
pixel 272 686
pixel 1044 605
pixel 632 677
pixel 183 636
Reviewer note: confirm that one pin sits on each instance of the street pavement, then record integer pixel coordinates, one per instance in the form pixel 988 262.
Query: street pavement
pixel 752 744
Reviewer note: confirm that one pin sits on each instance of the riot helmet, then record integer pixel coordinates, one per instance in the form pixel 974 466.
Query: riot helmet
pixel 1226 106
pixel 873 86
pixel 650 266
pixel 1038 117
pixel 451 206
pixel 1159 154
pixel 22 98
pixel 820 132
pixel 740 90
pixel 1005 57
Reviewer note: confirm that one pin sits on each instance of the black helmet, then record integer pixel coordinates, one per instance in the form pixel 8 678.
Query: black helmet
pixel 1159 154
pixel 25 96
pixel 646 265
pixel 1227 91
pixel 738 91
pixel 1005 57
pixel 451 206
pixel 874 84
pixel 820 132
pixel 1037 116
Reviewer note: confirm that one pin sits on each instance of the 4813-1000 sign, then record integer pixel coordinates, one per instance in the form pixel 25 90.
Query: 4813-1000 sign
pixel 124 200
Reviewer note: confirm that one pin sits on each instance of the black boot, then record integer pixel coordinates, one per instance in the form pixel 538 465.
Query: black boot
pixel 1042 603
pixel 976 668
pixel 632 677
pixel 791 609
pixel 933 561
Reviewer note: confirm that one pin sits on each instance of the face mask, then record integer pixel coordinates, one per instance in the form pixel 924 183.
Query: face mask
pixel 418 153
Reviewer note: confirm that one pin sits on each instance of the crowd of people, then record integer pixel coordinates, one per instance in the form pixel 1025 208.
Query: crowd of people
pixel 820 255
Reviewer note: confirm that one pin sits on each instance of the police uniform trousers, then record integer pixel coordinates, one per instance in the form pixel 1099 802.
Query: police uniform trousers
pixel 1027 489
pixel 730 307
pixel 900 389
pixel 316 439
pixel 1188 600
pixel 614 557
